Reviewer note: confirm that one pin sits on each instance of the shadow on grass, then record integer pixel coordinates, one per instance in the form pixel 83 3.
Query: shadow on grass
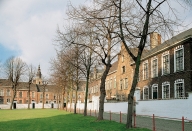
pixel 65 122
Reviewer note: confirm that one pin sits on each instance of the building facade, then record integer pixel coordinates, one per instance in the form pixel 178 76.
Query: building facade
pixel 165 71
pixel 22 97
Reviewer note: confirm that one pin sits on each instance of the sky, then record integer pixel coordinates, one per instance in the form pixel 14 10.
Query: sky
pixel 28 29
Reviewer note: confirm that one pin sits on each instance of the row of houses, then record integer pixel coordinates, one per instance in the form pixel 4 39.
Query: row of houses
pixel 22 95
pixel 165 73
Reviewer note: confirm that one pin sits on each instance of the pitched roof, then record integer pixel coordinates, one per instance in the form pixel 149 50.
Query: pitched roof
pixel 113 67
pixel 178 39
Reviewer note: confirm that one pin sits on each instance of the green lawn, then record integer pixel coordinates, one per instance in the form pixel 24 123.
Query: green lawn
pixel 54 120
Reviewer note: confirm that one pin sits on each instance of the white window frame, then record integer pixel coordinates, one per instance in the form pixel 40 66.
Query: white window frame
pixel 122 58
pixel 126 83
pixel 115 83
pixel 180 47
pixel 154 86
pixel 147 70
pixel 179 81
pixel 152 61
pixel 111 81
pixel 8 93
pixel 166 83
pixel 164 54
pixel 33 94
pixel 144 92
pixel 41 96
pixel 1 92
pixel 46 96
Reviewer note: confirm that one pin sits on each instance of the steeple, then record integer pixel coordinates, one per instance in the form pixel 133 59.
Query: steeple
pixel 38 75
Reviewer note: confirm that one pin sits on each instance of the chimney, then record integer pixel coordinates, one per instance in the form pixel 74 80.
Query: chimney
pixel 155 39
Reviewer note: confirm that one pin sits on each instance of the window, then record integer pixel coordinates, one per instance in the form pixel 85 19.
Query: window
pixel 47 102
pixel 33 94
pixel 165 90
pixel 121 84
pixel 20 94
pixel 122 58
pixel 8 100
pixel 27 101
pixel 179 88
pixel 8 93
pixel 114 82
pixel 123 69
pixel 145 70
pixel 126 83
pixel 1 92
pixel 41 96
pixel 54 97
pixel 47 96
pixel 154 67
pixel 20 101
pixel 145 93
pixel 111 84
pixel 154 91
pixel 165 63
pixel 179 59
pixel 108 84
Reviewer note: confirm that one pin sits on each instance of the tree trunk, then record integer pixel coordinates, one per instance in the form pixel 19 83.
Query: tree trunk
pixel 132 91
pixel 71 97
pixel 75 104
pixel 103 92
pixel 29 100
pixel 43 99
pixel 86 94
pixel 14 94
pixel 62 101
pixel 67 100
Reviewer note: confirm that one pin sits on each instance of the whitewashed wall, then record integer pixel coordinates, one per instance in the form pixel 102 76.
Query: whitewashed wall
pixel 175 108
pixel 25 106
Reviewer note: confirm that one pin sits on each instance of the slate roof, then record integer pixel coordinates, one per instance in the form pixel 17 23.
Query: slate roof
pixel 178 39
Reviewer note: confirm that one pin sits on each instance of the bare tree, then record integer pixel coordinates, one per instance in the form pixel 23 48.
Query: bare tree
pixel 14 69
pixel 104 38
pixel 134 31
pixel 44 84
pixel 30 76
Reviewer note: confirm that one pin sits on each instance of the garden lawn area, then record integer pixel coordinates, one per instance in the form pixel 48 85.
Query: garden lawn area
pixel 55 120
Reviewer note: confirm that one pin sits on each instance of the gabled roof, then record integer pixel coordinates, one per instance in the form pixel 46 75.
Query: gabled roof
pixel 113 67
pixel 176 40
pixel 5 82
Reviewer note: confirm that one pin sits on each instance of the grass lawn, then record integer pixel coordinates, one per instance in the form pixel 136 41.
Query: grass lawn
pixel 54 120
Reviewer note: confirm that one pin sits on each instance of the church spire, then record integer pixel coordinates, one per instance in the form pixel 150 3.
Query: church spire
pixel 39 72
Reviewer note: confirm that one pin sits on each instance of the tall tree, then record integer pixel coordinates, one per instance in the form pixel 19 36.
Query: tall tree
pixel 44 84
pixel 135 28
pixel 14 69
pixel 30 76
pixel 105 40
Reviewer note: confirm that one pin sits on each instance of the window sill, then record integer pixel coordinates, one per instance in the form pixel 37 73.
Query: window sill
pixel 179 71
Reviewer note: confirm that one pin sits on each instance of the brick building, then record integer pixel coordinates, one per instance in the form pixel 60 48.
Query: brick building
pixel 36 91
pixel 165 71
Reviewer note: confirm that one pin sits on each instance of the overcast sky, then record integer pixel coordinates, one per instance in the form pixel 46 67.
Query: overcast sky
pixel 28 27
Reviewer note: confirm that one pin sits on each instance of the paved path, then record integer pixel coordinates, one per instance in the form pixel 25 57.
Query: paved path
pixel 146 122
